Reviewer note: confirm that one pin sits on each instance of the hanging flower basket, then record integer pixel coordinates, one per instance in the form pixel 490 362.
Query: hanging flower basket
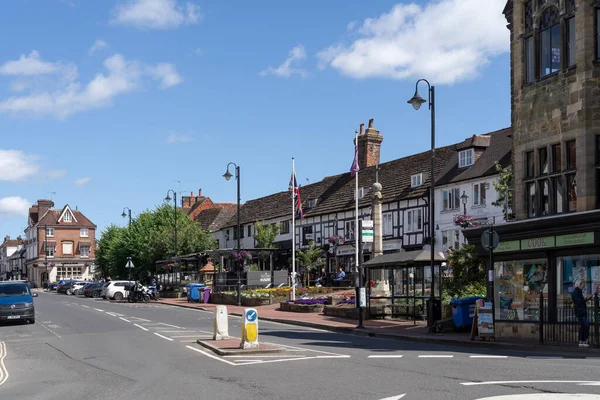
pixel 242 255
pixel 336 240
pixel 464 221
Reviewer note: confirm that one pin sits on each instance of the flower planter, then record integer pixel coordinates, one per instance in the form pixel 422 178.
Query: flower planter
pixel 255 302
pixel 301 308
pixel 222 298
pixel 341 312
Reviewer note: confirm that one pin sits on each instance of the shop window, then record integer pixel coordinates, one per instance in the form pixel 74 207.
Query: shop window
pixel 415 220
pixel 479 194
pixel 531 200
pixel 388 226
pixel 450 199
pixel 529 163
pixel 543 160
pixel 556 158
pixel 571 153
pixel 559 197
pixel 545 189
pixel 571 268
pixel 570 41
pixel 549 41
pixel 518 286
pixel 572 192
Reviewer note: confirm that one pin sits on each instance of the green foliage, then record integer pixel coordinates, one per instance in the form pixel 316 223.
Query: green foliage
pixel 264 234
pixel 310 258
pixel 503 187
pixel 468 273
pixel 253 267
pixel 149 238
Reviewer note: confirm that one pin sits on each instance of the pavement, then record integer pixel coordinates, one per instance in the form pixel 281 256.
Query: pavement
pixel 388 329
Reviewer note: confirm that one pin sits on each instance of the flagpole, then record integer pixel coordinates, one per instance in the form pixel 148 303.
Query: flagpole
pixel 293 232
pixel 356 233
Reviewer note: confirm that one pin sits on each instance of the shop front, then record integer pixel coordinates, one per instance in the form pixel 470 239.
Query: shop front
pixel 535 266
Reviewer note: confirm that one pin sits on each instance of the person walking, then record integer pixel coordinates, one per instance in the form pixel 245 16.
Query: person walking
pixel 580 307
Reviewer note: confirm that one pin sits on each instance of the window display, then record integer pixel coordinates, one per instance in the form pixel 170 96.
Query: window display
pixel 571 268
pixel 519 284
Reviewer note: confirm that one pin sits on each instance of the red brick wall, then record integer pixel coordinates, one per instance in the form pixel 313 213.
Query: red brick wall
pixel 66 234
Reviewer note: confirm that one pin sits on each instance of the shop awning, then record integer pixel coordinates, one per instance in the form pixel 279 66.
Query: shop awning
pixel 403 258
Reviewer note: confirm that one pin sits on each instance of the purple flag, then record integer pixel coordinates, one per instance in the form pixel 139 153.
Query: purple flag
pixel 355 167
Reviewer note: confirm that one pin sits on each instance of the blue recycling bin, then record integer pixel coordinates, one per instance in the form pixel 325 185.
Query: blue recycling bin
pixel 193 291
pixel 463 310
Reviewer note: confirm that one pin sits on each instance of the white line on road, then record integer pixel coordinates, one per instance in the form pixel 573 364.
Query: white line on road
pixel 269 355
pixel 336 356
pixel 435 356
pixel 83 305
pixel 395 397
pixel 187 341
pixel 141 327
pixel 141 319
pixel 50 330
pixel 486 356
pixel 172 326
pixel 518 382
pixel 386 356
pixel 211 356
pixel 189 336
pixel 164 337
pixel 124 319
pixel 544 357
pixel 99 309
pixel 111 314
pixel 3 370
pixel 183 331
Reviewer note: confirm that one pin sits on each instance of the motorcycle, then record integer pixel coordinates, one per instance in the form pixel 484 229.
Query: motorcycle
pixel 141 296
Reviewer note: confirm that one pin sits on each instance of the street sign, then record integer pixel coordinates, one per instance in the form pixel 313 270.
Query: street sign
pixel 251 315
pixel 488 242
pixel 129 264
pixel 367 231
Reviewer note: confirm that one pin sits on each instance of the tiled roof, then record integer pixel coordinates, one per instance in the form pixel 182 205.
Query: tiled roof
pixel 51 218
pixel 475 141
pixel 11 243
pixel 216 217
pixel 189 210
pixel 499 150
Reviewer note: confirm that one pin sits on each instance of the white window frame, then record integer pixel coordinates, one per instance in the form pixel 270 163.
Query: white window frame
pixel 84 232
pixel 50 232
pixel 465 158
pixel 349 230
pixel 67 217
pixel 311 203
pixel 414 220
pixel 478 189
pixel 50 250
pixel 64 253
pixel 388 224
pixel 81 251
pixel 416 180
pixel 450 199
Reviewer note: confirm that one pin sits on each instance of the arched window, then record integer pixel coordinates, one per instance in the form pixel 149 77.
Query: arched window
pixel 549 41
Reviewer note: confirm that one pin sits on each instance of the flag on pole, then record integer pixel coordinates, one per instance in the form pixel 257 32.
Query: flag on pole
pixel 293 188
pixel 355 167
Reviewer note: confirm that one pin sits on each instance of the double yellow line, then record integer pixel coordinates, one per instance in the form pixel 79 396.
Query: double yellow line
pixel 3 370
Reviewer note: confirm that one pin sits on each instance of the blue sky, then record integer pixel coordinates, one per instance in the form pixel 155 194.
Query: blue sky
pixel 110 103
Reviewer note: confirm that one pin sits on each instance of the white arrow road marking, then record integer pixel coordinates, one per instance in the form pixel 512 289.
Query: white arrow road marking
pixel 518 382
pixel 3 370
pixel 395 397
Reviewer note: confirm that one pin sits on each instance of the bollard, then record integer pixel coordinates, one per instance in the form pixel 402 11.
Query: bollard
pixel 221 323
pixel 249 329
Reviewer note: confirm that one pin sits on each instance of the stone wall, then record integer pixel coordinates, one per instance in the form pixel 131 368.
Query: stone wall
pixel 521 330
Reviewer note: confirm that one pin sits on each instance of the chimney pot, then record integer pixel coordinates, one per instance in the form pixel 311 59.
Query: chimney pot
pixel 371 123
pixel 199 192
pixel 362 129
pixel 192 194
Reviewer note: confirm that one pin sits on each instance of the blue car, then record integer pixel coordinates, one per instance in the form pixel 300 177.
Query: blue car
pixel 16 302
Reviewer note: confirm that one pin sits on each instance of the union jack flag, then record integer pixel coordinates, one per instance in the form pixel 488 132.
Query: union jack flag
pixel 293 188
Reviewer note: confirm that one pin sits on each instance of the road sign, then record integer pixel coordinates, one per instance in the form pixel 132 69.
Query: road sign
pixel 251 315
pixel 488 243
pixel 250 329
pixel 129 264
pixel 367 231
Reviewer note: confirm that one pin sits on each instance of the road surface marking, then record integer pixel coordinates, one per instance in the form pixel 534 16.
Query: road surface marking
pixel 164 337
pixel 124 319
pixel 269 355
pixel 544 357
pixel 187 341
pixel 395 397
pixel 211 356
pixel 99 309
pixel 83 305
pixel 436 356
pixel 518 382
pixel 386 356
pixel 545 396
pixel 184 331
pixel 50 330
pixel 334 356
pixel 3 370
pixel 141 319
pixel 186 336
pixel 111 314
pixel 293 348
pixel 141 327
pixel 172 326
pixel 485 356
pixel 53 326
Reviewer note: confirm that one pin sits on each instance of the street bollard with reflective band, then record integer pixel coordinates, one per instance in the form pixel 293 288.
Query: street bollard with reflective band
pixel 249 329
pixel 221 324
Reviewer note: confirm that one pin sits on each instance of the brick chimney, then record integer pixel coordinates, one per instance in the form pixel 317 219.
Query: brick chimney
pixel 369 146
pixel 43 206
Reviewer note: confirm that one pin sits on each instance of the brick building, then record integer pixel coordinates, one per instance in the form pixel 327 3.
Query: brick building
pixel 60 243
pixel 7 249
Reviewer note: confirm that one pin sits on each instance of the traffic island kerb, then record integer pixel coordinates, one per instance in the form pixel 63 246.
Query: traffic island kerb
pixel 231 347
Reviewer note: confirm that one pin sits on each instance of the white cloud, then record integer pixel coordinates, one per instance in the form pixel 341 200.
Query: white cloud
pixel 55 173
pixel 18 86
pixel 98 45
pixel 14 205
pixel 166 74
pixel 16 166
pixel 286 69
pixel 198 51
pixel 32 64
pixel 441 41
pixel 178 138
pixel 71 96
pixel 82 181
pixel 157 14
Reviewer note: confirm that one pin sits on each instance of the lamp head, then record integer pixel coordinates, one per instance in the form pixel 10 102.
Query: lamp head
pixel 227 175
pixel 168 198
pixel 464 197
pixel 416 100
pixel 123 215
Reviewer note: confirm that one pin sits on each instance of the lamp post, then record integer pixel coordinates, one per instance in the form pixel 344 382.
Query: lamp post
pixel 464 199
pixel 416 101
pixel 168 199
pixel 128 213
pixel 227 175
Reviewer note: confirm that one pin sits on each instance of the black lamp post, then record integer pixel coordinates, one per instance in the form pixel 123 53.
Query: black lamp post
pixel 464 197
pixel 227 175
pixel 168 199
pixel 416 102
pixel 128 213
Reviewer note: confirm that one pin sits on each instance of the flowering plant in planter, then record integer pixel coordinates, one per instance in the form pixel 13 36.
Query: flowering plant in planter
pixel 336 240
pixel 464 221
pixel 242 255
pixel 309 301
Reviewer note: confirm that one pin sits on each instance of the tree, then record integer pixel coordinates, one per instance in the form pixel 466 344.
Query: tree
pixel 503 186
pixel 468 273
pixel 312 257
pixel 264 234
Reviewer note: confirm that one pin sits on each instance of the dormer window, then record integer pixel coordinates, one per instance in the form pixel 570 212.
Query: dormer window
pixel 362 192
pixel 311 203
pixel 67 217
pixel 416 180
pixel 465 158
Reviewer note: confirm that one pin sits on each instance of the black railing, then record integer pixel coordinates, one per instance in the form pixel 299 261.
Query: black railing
pixel 563 325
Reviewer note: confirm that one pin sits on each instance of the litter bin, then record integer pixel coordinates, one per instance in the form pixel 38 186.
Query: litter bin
pixel 205 295
pixel 463 310
pixel 436 310
pixel 193 293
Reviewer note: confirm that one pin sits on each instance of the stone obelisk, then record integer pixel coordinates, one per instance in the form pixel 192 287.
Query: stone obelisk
pixel 382 285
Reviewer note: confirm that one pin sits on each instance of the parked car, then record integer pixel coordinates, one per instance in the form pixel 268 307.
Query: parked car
pixel 61 283
pixel 115 290
pixel 16 302
pixel 77 286
pixel 93 290
pixel 67 288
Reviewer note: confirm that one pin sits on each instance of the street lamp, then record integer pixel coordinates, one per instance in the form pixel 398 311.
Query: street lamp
pixel 168 199
pixel 416 102
pixel 128 213
pixel 464 199
pixel 227 175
